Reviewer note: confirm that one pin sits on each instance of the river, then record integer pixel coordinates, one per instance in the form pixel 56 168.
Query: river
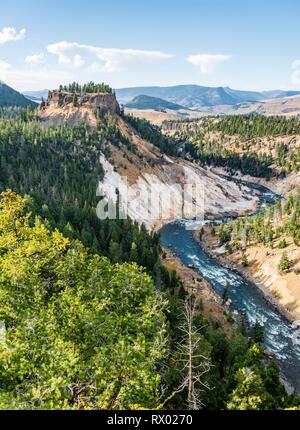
pixel 280 334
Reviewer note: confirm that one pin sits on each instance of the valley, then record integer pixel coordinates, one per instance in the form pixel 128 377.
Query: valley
pixel 80 144
pixel 198 102
pixel 150 212
pixel 144 164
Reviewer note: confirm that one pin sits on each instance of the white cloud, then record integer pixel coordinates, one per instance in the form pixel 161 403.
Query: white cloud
pixel 109 59
pixel 296 72
pixel 207 62
pixel 33 78
pixel 4 66
pixel 78 61
pixel 4 70
pixel 36 59
pixel 75 62
pixel 9 34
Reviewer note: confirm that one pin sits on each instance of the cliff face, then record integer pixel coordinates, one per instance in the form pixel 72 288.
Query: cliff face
pixel 213 197
pixel 61 106
pixel 103 101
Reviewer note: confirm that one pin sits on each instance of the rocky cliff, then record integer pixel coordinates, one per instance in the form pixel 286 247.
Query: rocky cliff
pixel 64 106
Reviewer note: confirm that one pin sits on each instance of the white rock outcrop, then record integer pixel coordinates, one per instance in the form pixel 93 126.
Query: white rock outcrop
pixel 176 189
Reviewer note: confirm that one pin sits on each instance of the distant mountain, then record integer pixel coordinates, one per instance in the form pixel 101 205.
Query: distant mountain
pixel 283 106
pixel 156 103
pixel 196 97
pixel 36 95
pixel 279 94
pixel 11 98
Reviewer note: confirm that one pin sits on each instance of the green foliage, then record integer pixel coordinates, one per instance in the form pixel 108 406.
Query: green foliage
pixel 250 126
pixel 284 264
pixel 209 150
pixel 90 87
pixel 257 385
pixel 272 223
pixel 84 333
pixel 81 333
pixel 152 133
pixel 75 100
pixel 225 235
pixel 17 113
pixel 257 333
pixel 282 244
pixel 244 259
pixel 214 154
pixel 250 393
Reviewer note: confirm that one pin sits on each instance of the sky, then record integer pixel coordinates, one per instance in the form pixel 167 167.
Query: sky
pixel 249 44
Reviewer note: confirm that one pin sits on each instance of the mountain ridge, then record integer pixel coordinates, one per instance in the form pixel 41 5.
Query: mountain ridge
pixel 188 96
pixel 196 96
pixel 12 98
pixel 147 102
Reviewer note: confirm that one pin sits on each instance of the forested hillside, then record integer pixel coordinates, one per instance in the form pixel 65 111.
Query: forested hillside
pixel 10 98
pixel 249 127
pixel 274 222
pixel 256 145
pixel 60 169
pixel 83 333
pixel 267 247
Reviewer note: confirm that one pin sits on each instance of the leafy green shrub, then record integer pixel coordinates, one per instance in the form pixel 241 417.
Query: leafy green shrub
pixel 282 244
pixel 284 264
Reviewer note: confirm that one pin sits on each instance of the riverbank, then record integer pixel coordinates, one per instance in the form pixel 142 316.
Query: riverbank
pixel 282 186
pixel 211 302
pixel 211 247
pixel 245 295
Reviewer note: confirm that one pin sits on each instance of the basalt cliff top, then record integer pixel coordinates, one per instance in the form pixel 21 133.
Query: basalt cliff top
pixel 63 106
pixel 104 101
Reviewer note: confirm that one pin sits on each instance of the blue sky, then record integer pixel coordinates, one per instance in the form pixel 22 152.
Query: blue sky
pixel 242 44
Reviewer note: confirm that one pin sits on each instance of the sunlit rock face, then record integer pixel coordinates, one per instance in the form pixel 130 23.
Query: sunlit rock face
pixel 62 107
pixel 175 191
pixel 103 101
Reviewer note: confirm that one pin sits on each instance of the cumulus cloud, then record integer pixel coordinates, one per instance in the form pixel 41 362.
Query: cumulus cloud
pixel 207 62
pixel 10 34
pixel 33 78
pixel 36 58
pixel 109 59
pixel 78 61
pixel 296 72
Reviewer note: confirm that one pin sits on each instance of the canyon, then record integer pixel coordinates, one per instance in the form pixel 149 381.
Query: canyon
pixel 146 168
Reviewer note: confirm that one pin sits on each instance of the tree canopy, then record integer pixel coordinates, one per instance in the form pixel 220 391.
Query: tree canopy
pixel 90 87
pixel 80 331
